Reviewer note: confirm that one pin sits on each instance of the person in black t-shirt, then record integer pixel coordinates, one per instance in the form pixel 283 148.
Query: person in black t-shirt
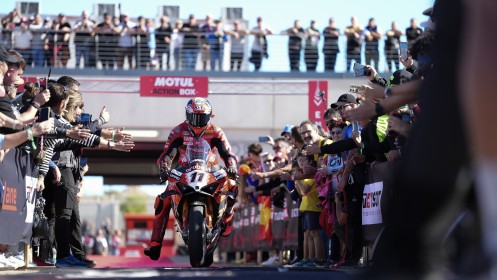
pixel 392 44
pixel 62 30
pixel 191 43
pixel 330 48
pixel 163 41
pixel 372 35
pixel 413 31
pixel 142 49
pixel 107 42
pixel 295 35
pixel 354 42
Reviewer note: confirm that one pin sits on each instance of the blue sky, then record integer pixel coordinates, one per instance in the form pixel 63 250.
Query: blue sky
pixel 277 14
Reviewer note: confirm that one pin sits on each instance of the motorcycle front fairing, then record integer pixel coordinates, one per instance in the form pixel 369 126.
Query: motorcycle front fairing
pixel 199 184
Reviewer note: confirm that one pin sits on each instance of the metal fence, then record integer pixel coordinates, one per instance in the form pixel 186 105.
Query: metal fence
pixel 106 51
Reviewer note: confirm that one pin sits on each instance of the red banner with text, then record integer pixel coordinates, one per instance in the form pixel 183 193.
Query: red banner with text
pixel 318 94
pixel 174 86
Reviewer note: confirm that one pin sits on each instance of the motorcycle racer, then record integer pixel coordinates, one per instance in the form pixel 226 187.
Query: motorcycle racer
pixel 197 125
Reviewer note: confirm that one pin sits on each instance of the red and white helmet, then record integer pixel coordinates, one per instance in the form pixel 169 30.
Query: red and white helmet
pixel 198 112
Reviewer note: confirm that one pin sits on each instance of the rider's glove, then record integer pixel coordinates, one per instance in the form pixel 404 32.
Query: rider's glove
pixel 232 170
pixel 164 174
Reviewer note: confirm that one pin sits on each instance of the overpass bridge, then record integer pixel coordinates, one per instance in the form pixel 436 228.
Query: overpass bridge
pixel 246 105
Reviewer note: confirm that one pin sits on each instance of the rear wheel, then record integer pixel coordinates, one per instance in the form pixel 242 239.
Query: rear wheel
pixel 196 236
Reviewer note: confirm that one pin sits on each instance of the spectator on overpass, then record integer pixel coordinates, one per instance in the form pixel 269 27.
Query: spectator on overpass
pixel 330 47
pixel 142 37
pixel 125 42
pixel 354 42
pixel 107 32
pixel 163 42
pixel 311 47
pixel 238 41
pixel 216 44
pixel 84 39
pixel 177 44
pixel 191 43
pixel 260 46
pixel 295 38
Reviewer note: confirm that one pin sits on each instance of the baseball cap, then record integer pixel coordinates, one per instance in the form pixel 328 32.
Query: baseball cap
pixel 287 129
pixel 428 11
pixel 7 57
pixel 346 98
pixel 399 77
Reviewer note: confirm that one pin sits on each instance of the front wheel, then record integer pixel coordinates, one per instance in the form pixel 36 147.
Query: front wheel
pixel 208 260
pixel 196 236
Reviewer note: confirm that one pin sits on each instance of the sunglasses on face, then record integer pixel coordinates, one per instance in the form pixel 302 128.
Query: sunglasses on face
pixel 336 132
pixel 344 106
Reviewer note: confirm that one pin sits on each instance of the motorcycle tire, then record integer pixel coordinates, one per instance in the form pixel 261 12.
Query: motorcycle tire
pixel 208 260
pixel 196 241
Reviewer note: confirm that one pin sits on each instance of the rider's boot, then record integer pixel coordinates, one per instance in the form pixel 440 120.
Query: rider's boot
pixel 162 207
pixel 228 215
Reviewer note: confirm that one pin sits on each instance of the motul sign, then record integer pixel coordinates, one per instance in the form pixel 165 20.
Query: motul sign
pixel 169 86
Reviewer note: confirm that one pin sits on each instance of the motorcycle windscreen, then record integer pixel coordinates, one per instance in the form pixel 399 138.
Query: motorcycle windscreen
pixel 198 151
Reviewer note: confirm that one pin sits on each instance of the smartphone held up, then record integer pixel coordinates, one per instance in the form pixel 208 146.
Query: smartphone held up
pixel 44 114
pixel 263 139
pixel 361 70
pixel 404 51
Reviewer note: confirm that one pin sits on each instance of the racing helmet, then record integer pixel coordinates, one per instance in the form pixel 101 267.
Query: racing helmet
pixel 198 112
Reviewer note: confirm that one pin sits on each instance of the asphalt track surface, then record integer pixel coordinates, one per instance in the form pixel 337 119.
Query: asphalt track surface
pixel 177 267
pixel 215 272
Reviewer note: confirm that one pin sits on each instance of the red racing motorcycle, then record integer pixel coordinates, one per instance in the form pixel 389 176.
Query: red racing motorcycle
pixel 199 196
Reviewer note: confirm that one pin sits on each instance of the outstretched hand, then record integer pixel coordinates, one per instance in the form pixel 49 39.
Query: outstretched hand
pixel 78 133
pixel 364 112
pixel 124 145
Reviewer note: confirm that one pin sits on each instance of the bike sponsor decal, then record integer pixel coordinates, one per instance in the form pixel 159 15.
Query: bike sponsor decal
pixel 220 174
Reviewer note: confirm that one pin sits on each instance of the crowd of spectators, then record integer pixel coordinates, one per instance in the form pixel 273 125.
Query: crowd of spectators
pixel 44 125
pixel 323 172
pixel 325 168
pixel 103 241
pixel 142 43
